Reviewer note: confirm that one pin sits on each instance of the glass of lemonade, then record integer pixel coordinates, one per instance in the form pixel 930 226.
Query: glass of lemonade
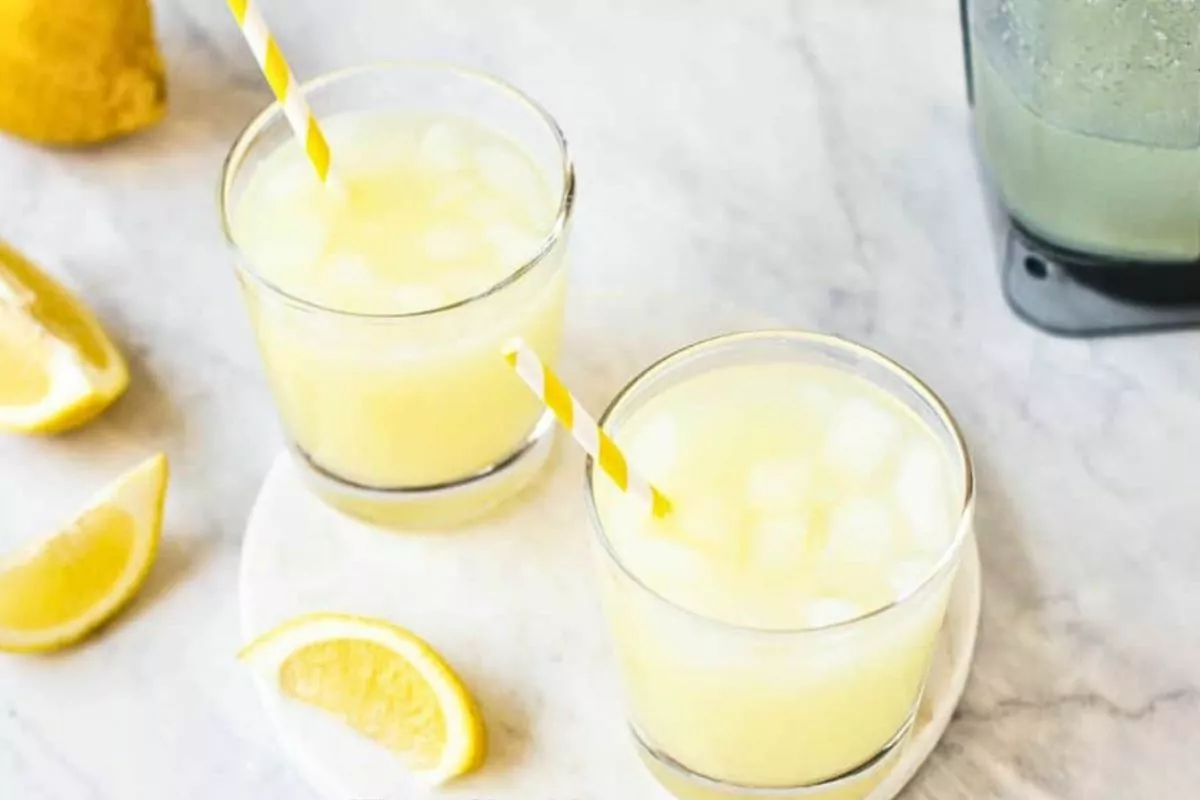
pixel 381 303
pixel 775 630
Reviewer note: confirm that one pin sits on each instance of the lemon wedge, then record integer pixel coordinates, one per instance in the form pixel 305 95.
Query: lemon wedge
pixel 58 369
pixel 56 591
pixel 383 681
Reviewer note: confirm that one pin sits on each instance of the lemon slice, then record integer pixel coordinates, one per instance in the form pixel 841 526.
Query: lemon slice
pixel 58 369
pixel 58 590
pixel 383 681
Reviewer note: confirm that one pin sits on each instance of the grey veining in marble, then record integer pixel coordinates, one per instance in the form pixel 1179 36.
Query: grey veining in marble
pixel 804 162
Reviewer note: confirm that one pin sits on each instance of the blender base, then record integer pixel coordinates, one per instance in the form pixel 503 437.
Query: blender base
pixel 1073 294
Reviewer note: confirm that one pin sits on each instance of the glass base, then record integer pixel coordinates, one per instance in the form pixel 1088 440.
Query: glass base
pixel 438 506
pixel 855 784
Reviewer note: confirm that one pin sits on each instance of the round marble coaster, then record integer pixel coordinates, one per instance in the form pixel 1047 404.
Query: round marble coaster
pixel 510 602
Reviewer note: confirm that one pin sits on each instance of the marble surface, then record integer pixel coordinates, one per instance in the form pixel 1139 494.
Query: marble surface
pixel 804 162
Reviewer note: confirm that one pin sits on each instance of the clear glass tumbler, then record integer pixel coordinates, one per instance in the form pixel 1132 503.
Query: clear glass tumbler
pixel 722 711
pixel 412 419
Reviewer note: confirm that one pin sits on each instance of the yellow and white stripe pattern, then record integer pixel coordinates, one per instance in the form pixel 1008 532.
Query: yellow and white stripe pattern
pixel 595 442
pixel 283 84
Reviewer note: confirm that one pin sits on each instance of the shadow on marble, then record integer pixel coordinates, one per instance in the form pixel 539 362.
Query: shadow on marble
pixel 179 559
pixel 509 725
pixel 145 413
pixel 211 104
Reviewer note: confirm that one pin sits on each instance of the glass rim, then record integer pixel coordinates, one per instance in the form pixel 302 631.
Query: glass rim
pixel 660 366
pixel 249 134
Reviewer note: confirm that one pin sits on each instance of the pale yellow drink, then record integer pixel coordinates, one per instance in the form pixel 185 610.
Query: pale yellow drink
pixel 416 261
pixel 805 497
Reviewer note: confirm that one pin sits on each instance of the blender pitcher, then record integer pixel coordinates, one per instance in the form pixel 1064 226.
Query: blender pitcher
pixel 1087 121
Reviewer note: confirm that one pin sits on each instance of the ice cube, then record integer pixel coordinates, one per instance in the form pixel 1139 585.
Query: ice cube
pixel 349 270
pixel 459 284
pixel 816 400
pixel 661 560
pixel 824 611
pixel 655 447
pixel 861 531
pixel 711 526
pixel 513 245
pixel 860 437
pixel 779 541
pixel 288 180
pixel 511 174
pixel 281 243
pixel 922 494
pixel 484 209
pixel 452 191
pixel 442 148
pixel 416 297
pixel 448 243
pixel 358 127
pixel 779 484
pixel 905 576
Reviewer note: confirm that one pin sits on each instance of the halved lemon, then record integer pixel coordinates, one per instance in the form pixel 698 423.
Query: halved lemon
pixel 383 681
pixel 56 591
pixel 58 368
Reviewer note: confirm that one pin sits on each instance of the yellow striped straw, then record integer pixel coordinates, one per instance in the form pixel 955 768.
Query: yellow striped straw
pixel 283 84
pixel 595 442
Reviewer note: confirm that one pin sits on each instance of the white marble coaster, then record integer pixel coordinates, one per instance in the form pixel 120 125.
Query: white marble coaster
pixel 511 603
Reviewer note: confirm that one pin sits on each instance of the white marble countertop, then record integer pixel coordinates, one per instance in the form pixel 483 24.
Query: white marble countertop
pixel 805 162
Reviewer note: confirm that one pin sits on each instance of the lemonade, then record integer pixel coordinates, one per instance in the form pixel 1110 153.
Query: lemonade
pixel 806 497
pixel 382 303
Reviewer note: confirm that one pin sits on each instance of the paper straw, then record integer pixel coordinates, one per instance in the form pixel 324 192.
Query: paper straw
pixel 283 84
pixel 595 442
